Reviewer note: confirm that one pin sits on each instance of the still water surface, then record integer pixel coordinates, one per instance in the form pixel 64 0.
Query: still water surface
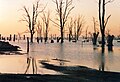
pixel 76 53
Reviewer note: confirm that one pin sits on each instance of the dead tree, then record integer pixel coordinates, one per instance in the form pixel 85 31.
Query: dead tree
pixel 39 29
pixel 70 28
pixel 46 19
pixel 32 19
pixel 96 33
pixel 63 11
pixel 78 26
pixel 86 33
pixel 103 23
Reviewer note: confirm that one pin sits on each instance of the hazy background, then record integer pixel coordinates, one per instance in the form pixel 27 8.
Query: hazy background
pixel 10 14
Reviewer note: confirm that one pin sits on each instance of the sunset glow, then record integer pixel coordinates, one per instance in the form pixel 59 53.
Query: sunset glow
pixel 10 14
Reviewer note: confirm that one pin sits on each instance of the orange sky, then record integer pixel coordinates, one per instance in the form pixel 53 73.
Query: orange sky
pixel 10 14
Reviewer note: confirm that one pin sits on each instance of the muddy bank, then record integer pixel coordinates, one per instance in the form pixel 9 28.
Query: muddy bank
pixel 8 49
pixel 85 73
pixel 111 77
pixel 6 46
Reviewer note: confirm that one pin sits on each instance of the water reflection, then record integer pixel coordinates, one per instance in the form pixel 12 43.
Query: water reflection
pixel 99 57
pixel 102 63
pixel 61 54
pixel 31 60
pixel 73 52
pixel 104 60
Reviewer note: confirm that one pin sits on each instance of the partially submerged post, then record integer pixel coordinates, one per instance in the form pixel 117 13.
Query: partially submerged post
pixel 27 45
pixel 23 37
pixel 0 36
pixel 14 38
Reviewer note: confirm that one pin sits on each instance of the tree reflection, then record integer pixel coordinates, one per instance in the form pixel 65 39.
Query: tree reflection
pixel 99 58
pixel 31 60
pixel 61 50
pixel 102 63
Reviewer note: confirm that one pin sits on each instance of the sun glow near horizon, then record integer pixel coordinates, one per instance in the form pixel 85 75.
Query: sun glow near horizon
pixel 10 16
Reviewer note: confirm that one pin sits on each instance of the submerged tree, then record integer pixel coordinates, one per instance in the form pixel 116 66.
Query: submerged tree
pixel 103 23
pixel 32 19
pixel 63 11
pixel 70 28
pixel 96 33
pixel 39 29
pixel 78 26
pixel 46 19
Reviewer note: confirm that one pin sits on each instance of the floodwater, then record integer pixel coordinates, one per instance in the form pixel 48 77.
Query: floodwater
pixel 75 53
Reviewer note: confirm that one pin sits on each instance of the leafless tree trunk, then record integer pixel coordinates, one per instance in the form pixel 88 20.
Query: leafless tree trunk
pixel 46 19
pixel 103 23
pixel 70 27
pixel 31 19
pixel 39 30
pixel 96 33
pixel 78 26
pixel 63 10
pixel 95 24
pixel 86 32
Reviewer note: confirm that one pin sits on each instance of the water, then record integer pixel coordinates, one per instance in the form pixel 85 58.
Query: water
pixel 76 53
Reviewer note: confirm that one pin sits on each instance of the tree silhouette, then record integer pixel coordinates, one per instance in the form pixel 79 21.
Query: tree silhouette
pixel 39 29
pixel 70 29
pixel 46 19
pixel 103 23
pixel 96 32
pixel 32 19
pixel 63 10
pixel 78 26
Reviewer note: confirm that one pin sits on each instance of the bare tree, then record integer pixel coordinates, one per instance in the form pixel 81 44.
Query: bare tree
pixel 95 23
pixel 86 33
pixel 46 19
pixel 108 32
pixel 96 32
pixel 78 26
pixel 63 10
pixel 31 19
pixel 103 23
pixel 39 29
pixel 70 28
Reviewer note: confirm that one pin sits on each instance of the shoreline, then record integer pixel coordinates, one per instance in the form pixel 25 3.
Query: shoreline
pixel 96 77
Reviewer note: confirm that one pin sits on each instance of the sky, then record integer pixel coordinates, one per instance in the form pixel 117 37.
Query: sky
pixel 11 13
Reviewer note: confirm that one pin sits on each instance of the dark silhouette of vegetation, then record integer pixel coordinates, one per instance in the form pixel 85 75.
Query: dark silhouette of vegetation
pixel 70 28
pixel 110 42
pixel 46 19
pixel 63 11
pixel 10 38
pixel 32 19
pixel 6 46
pixel 95 36
pixel 39 31
pixel 96 33
pixel 14 37
pixel 79 26
pixel 0 37
pixel 103 23
pixel 76 25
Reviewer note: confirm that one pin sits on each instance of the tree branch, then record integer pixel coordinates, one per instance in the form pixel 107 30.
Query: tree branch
pixel 109 1
pixel 107 20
